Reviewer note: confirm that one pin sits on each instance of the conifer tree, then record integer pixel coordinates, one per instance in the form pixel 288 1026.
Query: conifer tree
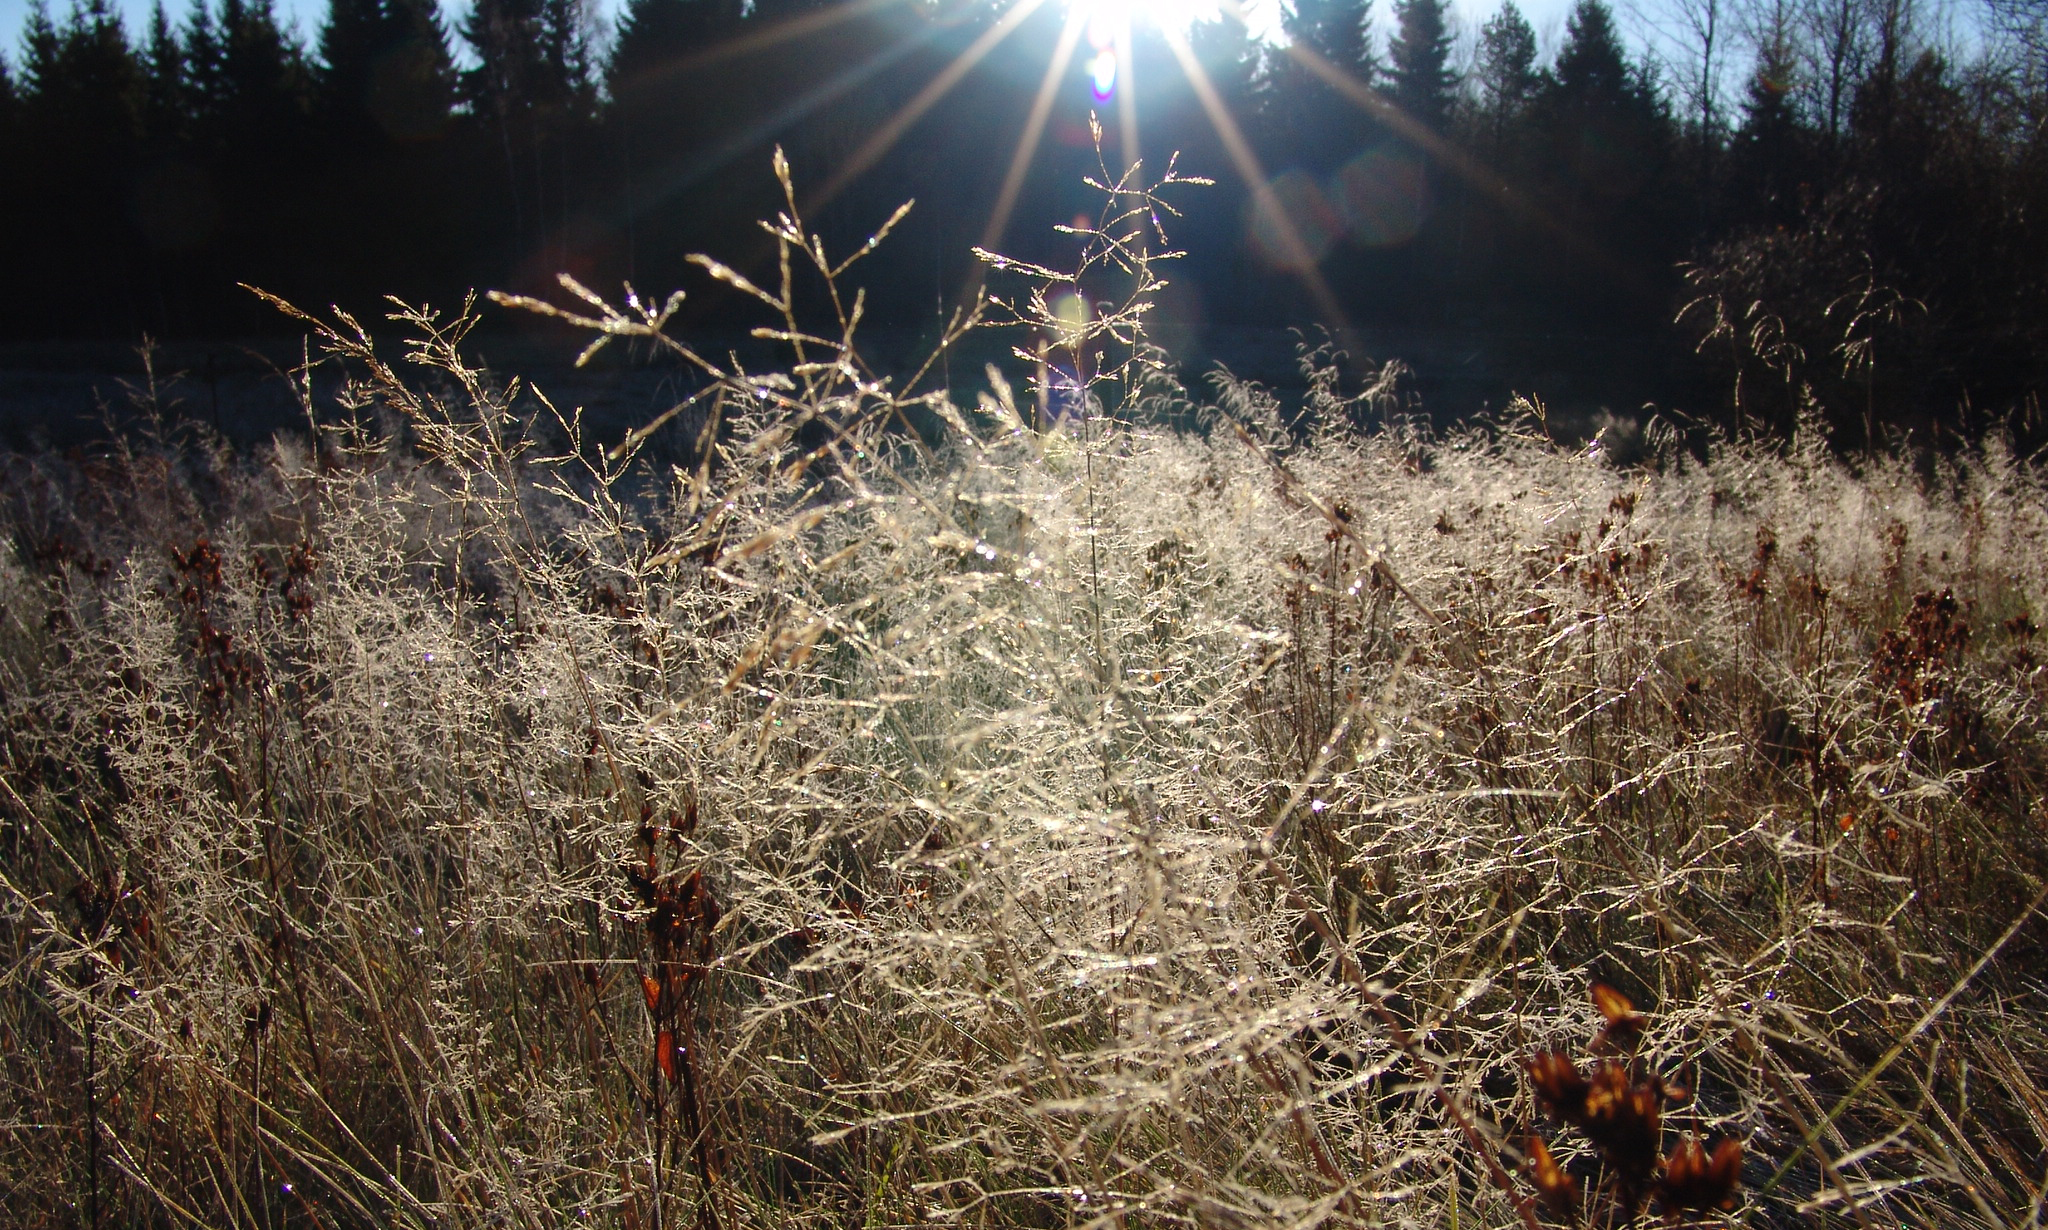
pixel 1604 143
pixel 1420 79
pixel 349 40
pixel 167 102
pixel 502 90
pixel 10 133
pixel 1305 119
pixel 504 35
pixel 1607 124
pixel 534 93
pixel 534 65
pixel 385 70
pixel 1507 75
pixel 668 105
pixel 253 86
pixel 201 41
pixel 1231 58
pixel 1770 146
pixel 80 125
pixel 419 66
pixel 655 36
pixel 1337 30
pixel 1592 69
pixel 83 83
pixel 572 68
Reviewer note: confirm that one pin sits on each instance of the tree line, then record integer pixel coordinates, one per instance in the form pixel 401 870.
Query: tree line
pixel 1856 229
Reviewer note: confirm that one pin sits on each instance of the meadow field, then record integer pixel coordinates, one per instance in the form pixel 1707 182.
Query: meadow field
pixel 993 805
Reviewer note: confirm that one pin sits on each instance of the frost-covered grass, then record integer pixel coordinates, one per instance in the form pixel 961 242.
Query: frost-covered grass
pixel 909 815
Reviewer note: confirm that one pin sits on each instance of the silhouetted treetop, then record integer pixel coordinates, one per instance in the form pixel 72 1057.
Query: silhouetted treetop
pixel 385 70
pixel 1592 68
pixel 157 167
pixel 1506 75
pixel 1421 80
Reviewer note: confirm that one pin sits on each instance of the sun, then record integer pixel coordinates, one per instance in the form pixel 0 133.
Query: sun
pixel 1108 24
pixel 1108 20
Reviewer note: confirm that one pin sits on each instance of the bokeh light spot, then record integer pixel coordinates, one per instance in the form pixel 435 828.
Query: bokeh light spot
pixel 1295 225
pixel 1070 317
pixel 1066 394
pixel 1384 196
pixel 1102 75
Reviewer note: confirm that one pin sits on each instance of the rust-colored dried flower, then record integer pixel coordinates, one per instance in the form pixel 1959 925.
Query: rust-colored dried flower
pixel 1623 1118
pixel 1558 1085
pixel 1558 1191
pixel 1696 1180
pixel 1624 1025
pixel 665 1055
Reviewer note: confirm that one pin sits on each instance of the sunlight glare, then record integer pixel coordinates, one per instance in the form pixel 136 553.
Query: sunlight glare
pixel 1109 21
pixel 1102 74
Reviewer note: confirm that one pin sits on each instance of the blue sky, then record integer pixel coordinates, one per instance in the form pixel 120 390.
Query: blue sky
pixel 1546 15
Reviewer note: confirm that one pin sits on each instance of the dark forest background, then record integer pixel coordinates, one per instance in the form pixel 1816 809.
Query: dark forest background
pixel 1860 230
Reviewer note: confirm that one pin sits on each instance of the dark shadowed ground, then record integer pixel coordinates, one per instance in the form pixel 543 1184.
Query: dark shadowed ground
pixel 69 393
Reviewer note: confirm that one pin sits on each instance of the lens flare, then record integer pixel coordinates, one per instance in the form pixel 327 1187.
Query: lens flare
pixel 1070 312
pixel 1102 75
pixel 1066 394
pixel 1384 196
pixel 1293 225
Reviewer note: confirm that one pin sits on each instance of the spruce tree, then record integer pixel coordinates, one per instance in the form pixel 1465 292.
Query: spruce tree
pixel 668 104
pixel 1592 70
pixel 349 41
pixel 1337 30
pixel 654 36
pixel 501 90
pixel 504 35
pixel 80 128
pixel 386 72
pixel 1305 120
pixel 253 85
pixel 83 83
pixel 1230 57
pixel 1608 128
pixel 534 93
pixel 11 196
pixel 1771 147
pixel 1421 81
pixel 534 62
pixel 166 106
pixel 1604 141
pixel 655 64
pixel 201 41
pixel 570 79
pixel 1507 75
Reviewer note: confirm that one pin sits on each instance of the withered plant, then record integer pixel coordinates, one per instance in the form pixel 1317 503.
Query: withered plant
pixel 1618 1107
pixel 1055 799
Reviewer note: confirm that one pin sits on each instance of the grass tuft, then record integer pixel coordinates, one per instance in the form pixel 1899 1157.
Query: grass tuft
pixel 1017 808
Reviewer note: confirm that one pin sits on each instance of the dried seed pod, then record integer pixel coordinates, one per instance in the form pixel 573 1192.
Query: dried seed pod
pixel 1558 1085
pixel 1624 1025
pixel 1558 1191
pixel 1623 1118
pixel 1697 1180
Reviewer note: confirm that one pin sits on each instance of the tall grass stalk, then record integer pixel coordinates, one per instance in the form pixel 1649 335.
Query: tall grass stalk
pixel 1107 807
